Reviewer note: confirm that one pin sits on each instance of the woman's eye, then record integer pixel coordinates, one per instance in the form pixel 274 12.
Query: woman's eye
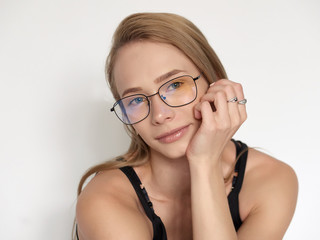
pixel 174 85
pixel 136 101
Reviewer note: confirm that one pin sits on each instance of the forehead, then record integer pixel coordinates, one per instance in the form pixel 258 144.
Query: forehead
pixel 138 64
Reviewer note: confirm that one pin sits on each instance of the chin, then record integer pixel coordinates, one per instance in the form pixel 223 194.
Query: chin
pixel 172 151
pixel 175 155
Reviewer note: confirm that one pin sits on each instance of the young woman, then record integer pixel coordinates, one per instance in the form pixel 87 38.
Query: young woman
pixel 183 177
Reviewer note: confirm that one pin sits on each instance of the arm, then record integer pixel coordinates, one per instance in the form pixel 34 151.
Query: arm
pixel 211 218
pixel 210 211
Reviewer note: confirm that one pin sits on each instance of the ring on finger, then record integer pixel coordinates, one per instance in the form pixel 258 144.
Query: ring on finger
pixel 234 99
pixel 243 101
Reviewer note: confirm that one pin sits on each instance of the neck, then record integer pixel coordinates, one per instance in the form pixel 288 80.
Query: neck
pixel 169 179
pixel 166 179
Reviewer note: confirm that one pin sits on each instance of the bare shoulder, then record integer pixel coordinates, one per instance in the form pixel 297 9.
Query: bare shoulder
pixel 268 197
pixel 107 208
pixel 268 171
pixel 261 165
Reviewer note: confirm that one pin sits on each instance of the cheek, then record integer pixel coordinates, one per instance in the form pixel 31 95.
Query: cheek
pixel 137 129
pixel 187 113
pixel 142 130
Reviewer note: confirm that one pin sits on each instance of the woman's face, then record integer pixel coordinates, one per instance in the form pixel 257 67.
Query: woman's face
pixel 138 66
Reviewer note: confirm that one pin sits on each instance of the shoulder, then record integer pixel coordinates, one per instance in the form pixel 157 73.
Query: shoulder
pixel 269 171
pixel 268 196
pixel 107 206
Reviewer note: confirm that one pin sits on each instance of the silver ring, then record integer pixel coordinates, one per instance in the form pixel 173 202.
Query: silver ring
pixel 243 101
pixel 234 99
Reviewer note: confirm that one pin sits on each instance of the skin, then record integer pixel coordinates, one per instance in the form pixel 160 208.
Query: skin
pixel 184 179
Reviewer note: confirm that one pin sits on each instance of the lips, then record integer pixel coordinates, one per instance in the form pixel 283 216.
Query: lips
pixel 172 135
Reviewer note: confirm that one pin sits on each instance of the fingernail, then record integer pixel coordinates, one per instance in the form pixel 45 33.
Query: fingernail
pixel 212 84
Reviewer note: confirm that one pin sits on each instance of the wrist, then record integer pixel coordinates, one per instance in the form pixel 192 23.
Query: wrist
pixel 203 167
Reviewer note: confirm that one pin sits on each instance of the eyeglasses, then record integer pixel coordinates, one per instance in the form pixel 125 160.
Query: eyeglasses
pixel 176 92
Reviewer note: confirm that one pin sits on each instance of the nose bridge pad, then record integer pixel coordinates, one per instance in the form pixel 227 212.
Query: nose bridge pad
pixel 163 97
pixel 160 110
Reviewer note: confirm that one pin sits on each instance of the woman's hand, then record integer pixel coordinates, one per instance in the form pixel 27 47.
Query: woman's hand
pixel 221 118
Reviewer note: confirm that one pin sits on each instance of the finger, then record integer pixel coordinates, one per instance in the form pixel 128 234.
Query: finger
pixel 242 108
pixel 209 97
pixel 208 119
pixel 237 111
pixel 222 115
pixel 219 84
pixel 233 108
pixel 237 92
pixel 198 109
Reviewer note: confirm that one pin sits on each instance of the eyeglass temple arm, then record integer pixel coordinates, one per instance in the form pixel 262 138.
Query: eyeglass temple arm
pixel 196 78
pixel 123 111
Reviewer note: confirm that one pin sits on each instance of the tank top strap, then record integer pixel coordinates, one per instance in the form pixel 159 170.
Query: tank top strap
pixel 140 191
pixel 242 154
pixel 159 232
pixel 233 197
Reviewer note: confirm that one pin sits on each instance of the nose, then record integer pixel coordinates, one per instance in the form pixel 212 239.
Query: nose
pixel 159 111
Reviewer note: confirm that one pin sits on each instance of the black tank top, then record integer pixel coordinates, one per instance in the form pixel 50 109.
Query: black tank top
pixel 159 231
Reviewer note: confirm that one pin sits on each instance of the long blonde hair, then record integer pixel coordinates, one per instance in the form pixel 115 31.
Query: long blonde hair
pixel 163 28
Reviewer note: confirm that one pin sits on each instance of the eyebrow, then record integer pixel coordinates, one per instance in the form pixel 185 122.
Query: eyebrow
pixel 157 80
pixel 167 75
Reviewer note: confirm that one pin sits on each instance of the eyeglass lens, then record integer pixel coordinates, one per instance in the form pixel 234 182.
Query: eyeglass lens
pixel 176 92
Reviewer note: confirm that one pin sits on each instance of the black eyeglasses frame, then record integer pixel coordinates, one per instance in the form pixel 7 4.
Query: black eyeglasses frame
pixel 157 93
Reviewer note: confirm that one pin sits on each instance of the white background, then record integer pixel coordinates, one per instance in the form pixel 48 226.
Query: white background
pixel 54 101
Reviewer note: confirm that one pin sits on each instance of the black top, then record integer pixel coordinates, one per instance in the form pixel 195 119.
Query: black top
pixel 159 231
